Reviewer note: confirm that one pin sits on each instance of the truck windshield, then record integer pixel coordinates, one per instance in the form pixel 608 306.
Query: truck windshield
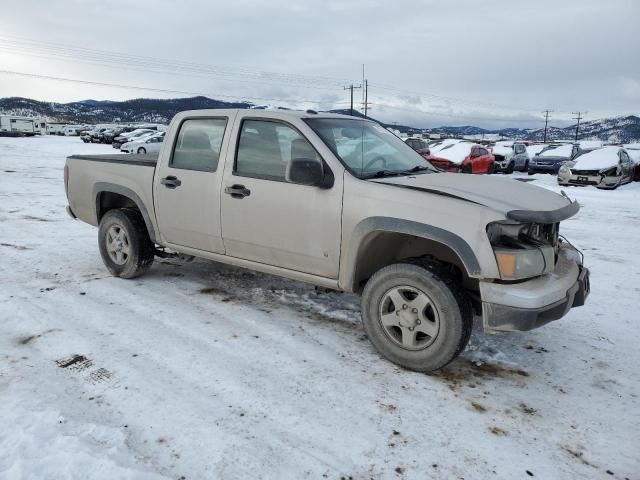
pixel 367 149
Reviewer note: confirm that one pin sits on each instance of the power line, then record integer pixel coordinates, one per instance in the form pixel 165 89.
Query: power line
pixel 152 89
pixel 578 117
pixel 139 62
pixel 65 52
pixel 546 123
pixel 458 100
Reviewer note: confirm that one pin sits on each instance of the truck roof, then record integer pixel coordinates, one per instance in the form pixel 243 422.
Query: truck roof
pixel 266 113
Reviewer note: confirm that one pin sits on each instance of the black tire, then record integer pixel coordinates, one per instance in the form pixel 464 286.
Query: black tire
pixel 142 150
pixel 140 249
pixel 466 168
pixel 448 299
pixel 510 168
pixel 491 169
pixel 530 172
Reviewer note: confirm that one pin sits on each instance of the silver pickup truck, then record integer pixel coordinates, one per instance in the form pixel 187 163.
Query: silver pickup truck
pixel 343 204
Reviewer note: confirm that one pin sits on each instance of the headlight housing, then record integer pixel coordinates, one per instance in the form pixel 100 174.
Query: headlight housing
pixel 519 264
pixel 609 172
pixel 565 168
pixel 523 250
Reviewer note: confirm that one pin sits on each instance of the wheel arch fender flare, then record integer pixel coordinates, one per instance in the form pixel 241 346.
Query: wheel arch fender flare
pixel 105 187
pixel 393 225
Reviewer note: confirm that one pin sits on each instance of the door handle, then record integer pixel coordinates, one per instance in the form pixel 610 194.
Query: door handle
pixel 237 191
pixel 171 182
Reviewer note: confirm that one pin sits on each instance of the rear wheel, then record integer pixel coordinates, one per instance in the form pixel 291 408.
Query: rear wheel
pixel 142 150
pixel 125 246
pixel 417 316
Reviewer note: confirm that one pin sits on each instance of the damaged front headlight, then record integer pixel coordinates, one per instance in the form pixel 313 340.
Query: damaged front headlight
pixel 565 169
pixel 610 172
pixel 523 250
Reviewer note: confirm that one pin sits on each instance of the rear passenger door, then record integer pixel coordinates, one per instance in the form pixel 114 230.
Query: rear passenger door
pixel 187 185
pixel 268 220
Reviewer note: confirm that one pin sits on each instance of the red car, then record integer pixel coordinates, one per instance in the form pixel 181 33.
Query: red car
pixel 463 157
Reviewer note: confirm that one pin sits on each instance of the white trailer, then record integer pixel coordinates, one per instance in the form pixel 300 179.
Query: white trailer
pixel 15 126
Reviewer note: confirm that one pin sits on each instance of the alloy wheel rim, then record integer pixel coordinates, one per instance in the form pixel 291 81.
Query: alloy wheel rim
pixel 409 317
pixel 118 246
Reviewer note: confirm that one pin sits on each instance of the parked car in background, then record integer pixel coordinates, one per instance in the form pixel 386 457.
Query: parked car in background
pixel 533 150
pixel 633 149
pixel 130 136
pixel 144 144
pixel 550 159
pixel 88 136
pixel 510 156
pixel 607 168
pixel 465 157
pixel 417 144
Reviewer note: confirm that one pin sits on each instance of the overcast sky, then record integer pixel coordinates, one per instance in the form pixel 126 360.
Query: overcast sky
pixel 490 63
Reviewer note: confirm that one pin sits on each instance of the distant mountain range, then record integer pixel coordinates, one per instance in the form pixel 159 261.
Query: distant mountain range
pixel 617 129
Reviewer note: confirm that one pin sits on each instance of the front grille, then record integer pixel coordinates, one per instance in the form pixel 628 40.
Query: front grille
pixel 586 173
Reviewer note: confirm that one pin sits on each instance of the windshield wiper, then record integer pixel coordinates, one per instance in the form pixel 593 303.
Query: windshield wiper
pixel 419 168
pixel 385 173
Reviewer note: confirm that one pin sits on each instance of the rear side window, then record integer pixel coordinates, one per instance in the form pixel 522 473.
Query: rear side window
pixel 198 145
pixel 265 148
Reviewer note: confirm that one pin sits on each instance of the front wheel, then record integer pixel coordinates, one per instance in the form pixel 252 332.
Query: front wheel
pixel 510 168
pixel 416 316
pixel 142 150
pixel 125 246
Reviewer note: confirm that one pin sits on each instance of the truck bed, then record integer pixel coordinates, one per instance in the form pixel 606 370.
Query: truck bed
pixel 145 160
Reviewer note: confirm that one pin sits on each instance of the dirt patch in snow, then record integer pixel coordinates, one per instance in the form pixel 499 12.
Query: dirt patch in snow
pixel 462 372
pixel 30 338
pixel 17 247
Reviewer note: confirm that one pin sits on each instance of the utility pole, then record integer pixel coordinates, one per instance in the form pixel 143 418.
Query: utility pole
pixel 351 87
pixel 546 123
pixel 366 96
pixel 578 117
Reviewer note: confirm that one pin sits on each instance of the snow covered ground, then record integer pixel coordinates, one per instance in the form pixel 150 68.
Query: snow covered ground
pixel 200 370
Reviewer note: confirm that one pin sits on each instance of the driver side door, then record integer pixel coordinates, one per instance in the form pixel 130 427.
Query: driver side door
pixel 268 220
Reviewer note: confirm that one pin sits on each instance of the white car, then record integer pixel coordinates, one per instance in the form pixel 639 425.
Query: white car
pixel 144 144
pixel 607 168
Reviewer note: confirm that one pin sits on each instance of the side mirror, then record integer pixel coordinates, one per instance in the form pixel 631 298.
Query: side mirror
pixel 306 171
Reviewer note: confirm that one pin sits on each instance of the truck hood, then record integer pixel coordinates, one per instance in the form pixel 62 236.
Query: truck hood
pixel 516 200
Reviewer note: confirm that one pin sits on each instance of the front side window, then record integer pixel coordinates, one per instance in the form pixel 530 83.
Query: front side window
pixel 265 148
pixel 198 144
pixel 367 149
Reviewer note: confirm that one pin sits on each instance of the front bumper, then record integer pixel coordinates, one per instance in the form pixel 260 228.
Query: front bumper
pixel 536 302
pixel 598 180
pixel 536 167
